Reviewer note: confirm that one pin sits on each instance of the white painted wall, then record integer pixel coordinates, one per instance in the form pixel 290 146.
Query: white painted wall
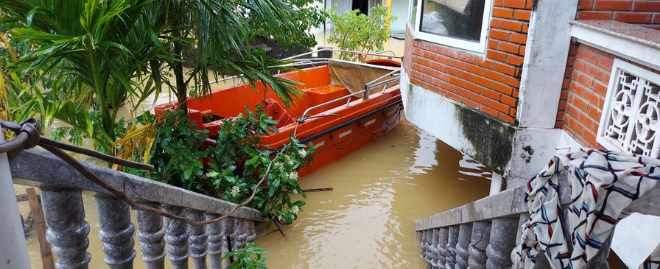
pixel 342 6
pixel 399 9
pixel 319 29
pixel 634 237
pixel 548 42
pixel 532 148
pixel 434 114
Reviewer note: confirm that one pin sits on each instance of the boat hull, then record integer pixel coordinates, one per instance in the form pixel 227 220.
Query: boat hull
pixel 335 129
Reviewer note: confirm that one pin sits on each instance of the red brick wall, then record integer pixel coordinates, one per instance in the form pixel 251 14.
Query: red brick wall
pixel 646 13
pixel 490 84
pixel 584 97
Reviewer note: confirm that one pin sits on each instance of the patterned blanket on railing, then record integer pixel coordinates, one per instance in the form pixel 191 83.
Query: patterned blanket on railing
pixel 603 184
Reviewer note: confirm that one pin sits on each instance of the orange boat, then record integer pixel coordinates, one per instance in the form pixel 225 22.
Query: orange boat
pixel 334 113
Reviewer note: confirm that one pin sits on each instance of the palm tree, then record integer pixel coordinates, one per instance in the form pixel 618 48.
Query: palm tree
pixel 95 51
pixel 98 52
pixel 220 32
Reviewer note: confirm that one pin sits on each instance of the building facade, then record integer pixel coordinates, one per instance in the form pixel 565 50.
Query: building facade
pixel 512 83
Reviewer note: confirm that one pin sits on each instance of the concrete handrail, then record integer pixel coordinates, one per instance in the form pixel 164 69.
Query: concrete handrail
pixel 42 169
pixel 486 231
pixel 505 204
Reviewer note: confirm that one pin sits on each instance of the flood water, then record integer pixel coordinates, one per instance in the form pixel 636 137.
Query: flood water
pixel 367 221
pixel 379 191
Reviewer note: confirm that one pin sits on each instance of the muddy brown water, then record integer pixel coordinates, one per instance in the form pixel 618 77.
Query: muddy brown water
pixel 379 191
pixel 367 221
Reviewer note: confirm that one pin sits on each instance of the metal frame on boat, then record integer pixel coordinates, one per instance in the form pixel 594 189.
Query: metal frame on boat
pixel 320 117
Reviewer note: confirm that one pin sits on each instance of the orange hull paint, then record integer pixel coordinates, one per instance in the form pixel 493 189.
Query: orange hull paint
pixel 355 126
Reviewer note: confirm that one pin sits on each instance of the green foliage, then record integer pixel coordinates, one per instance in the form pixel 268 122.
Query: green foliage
pixel 233 167
pixel 91 56
pixel 220 35
pixel 357 32
pixel 305 15
pixel 243 258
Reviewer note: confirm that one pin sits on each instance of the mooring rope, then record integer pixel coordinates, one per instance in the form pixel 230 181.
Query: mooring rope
pixel 28 135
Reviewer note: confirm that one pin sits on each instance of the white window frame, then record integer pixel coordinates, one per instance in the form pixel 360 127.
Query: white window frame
pixel 612 86
pixel 479 47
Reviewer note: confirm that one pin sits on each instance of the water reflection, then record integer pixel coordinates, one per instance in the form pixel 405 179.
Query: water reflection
pixel 379 190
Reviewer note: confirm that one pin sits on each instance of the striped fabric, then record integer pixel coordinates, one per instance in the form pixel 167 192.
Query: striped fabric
pixel 603 184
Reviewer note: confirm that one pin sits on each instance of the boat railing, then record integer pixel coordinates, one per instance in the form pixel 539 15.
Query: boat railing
pixel 304 116
pixel 295 62
pixel 380 81
pixel 61 194
pixel 357 53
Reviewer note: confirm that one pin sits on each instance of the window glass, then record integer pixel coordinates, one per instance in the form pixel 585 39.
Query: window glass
pixel 413 12
pixel 461 19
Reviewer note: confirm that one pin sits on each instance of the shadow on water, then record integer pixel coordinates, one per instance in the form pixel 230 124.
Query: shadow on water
pixel 379 191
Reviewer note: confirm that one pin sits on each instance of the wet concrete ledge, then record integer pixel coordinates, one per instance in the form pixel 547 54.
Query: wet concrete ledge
pixel 622 30
pixel 628 41
pixel 42 169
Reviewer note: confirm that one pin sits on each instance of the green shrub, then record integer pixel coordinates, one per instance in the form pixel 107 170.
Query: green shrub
pixel 243 258
pixel 232 168
pixel 357 32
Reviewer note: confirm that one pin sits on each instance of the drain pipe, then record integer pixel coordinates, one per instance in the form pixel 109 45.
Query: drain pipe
pixel 13 249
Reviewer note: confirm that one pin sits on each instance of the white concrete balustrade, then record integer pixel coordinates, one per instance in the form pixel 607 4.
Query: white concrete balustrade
pixel 61 193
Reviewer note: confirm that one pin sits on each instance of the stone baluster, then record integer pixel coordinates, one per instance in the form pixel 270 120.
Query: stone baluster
pixel 451 247
pixel 502 241
pixel 514 259
pixel 228 237
pixel 464 237
pixel 423 241
pixel 198 239
pixel 215 239
pixel 420 236
pixel 116 231
pixel 251 232
pixel 443 237
pixel 477 249
pixel 67 229
pixel 241 235
pixel 150 233
pixel 177 238
pixel 428 237
pixel 433 248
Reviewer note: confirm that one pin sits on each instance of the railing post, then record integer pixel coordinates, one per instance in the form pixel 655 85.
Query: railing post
pixel 451 247
pixel 116 231
pixel 502 241
pixel 443 237
pixel 428 238
pixel 177 238
pixel 151 233
pixel 433 248
pixel 464 237
pixel 239 236
pixel 14 256
pixel 477 249
pixel 198 239
pixel 251 232
pixel 229 237
pixel 67 229
pixel 215 240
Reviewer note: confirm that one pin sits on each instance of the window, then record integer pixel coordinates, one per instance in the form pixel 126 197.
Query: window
pixel 457 23
pixel 632 108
